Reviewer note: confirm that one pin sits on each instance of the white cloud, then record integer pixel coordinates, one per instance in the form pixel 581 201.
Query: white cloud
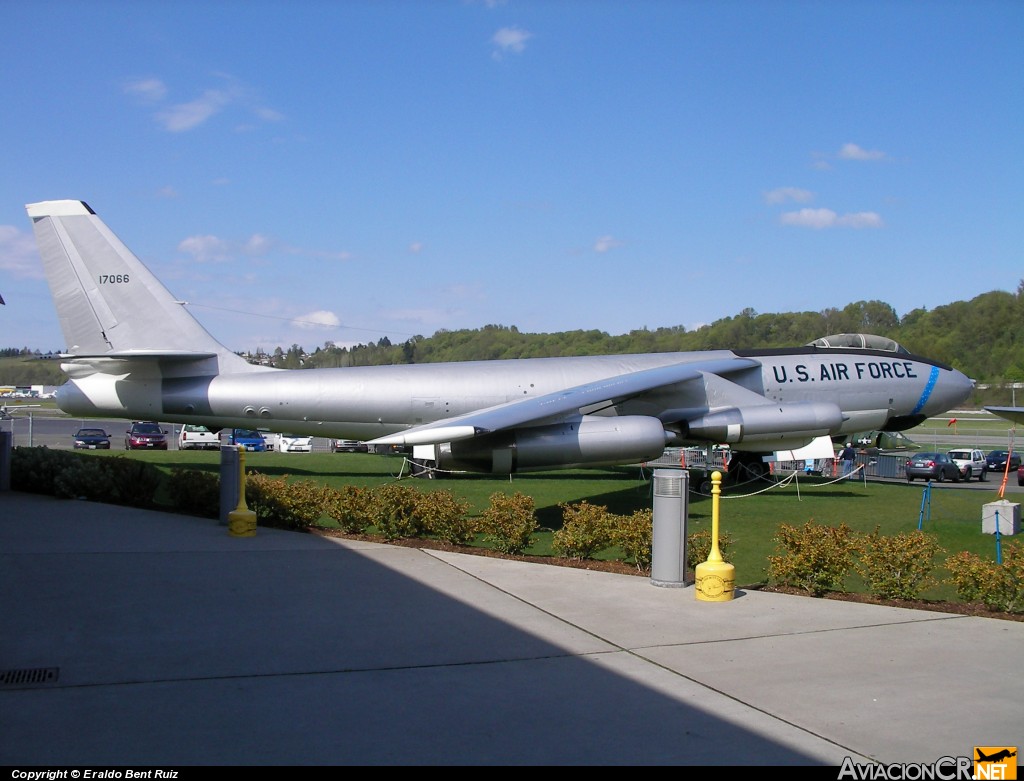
pixel 861 220
pixel 268 114
pixel 783 194
pixel 257 244
pixel 181 117
pixel 510 40
pixel 186 116
pixel 18 253
pixel 205 248
pixel 321 318
pixel 416 247
pixel 605 243
pixel 150 90
pixel 826 218
pixel 854 152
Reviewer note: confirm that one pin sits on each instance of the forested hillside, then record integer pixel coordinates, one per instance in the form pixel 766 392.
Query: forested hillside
pixel 983 337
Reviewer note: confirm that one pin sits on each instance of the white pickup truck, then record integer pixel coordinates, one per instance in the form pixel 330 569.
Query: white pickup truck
pixel 197 438
pixel 971 463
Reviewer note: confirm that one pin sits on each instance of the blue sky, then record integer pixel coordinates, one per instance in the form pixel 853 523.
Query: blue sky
pixel 307 172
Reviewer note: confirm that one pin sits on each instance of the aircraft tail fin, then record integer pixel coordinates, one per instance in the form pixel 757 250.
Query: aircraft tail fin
pixel 108 302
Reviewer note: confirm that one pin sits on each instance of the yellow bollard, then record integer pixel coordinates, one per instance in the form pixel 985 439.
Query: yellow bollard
pixel 715 579
pixel 241 520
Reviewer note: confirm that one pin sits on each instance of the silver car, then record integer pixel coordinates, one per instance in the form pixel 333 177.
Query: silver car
pixel 932 466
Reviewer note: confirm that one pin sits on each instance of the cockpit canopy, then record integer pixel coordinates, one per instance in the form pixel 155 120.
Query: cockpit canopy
pixel 861 341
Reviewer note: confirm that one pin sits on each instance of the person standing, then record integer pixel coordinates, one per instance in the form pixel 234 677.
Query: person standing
pixel 847 455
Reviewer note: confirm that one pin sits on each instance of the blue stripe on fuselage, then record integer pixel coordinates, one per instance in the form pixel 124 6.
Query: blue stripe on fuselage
pixel 933 377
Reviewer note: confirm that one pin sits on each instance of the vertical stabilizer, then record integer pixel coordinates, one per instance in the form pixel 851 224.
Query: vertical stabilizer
pixel 108 302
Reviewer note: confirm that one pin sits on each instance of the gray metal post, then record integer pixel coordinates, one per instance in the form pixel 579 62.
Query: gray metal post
pixel 668 543
pixel 229 481
pixel 6 439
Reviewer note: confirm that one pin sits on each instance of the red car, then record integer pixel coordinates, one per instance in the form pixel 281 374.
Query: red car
pixel 145 435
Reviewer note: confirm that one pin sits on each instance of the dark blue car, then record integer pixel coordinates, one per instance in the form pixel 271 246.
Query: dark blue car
pixel 92 439
pixel 997 459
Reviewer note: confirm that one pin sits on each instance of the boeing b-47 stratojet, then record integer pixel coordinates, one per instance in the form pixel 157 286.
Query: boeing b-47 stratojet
pixel 135 352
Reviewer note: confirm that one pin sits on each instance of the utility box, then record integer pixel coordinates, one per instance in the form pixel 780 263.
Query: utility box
pixel 1008 514
pixel 668 539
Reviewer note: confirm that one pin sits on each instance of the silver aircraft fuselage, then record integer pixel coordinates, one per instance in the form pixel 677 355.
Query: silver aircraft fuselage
pixel 136 352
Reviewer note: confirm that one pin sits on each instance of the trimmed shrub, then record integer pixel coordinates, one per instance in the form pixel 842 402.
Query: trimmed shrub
pixel 34 470
pixel 814 558
pixel 586 530
pixel 131 482
pixel 898 567
pixel 394 511
pixel 634 534
pixel 350 506
pixel 83 478
pixel 698 547
pixel 509 522
pixel 282 504
pixel 998 586
pixel 110 479
pixel 194 492
pixel 446 517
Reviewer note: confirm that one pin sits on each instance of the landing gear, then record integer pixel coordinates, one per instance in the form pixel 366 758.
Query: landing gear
pixel 744 467
pixel 421 467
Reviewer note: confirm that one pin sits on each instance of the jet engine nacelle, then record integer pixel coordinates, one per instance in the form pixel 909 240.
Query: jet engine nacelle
pixel 767 421
pixel 591 441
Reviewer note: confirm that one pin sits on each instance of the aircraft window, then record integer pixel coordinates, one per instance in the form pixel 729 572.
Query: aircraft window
pixel 861 341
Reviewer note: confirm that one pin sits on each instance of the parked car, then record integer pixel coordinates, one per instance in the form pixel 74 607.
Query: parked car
pixel 248 439
pixel 348 446
pixel 197 438
pixel 971 463
pixel 1020 475
pixel 92 439
pixel 997 459
pixel 932 466
pixel 295 443
pixel 145 435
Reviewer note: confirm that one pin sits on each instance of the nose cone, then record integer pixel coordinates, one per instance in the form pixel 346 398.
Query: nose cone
pixel 952 388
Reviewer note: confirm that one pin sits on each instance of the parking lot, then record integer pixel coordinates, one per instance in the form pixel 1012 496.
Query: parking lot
pixel 35 428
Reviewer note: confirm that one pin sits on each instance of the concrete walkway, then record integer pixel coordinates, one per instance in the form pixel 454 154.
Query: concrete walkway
pixel 147 639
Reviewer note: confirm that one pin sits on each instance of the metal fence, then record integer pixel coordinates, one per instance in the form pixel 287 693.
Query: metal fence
pixel 880 465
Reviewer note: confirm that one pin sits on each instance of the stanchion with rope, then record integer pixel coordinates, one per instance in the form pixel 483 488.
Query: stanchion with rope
pixel 715 579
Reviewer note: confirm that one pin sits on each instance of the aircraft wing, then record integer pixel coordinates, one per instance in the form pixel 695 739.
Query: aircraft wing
pixel 559 403
pixel 1016 414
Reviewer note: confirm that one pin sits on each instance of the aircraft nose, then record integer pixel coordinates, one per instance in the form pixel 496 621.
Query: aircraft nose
pixel 953 388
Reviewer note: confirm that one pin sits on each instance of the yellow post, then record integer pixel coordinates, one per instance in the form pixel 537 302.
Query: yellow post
pixel 241 520
pixel 715 579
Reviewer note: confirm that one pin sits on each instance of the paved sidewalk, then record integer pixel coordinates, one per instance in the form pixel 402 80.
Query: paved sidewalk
pixel 150 639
